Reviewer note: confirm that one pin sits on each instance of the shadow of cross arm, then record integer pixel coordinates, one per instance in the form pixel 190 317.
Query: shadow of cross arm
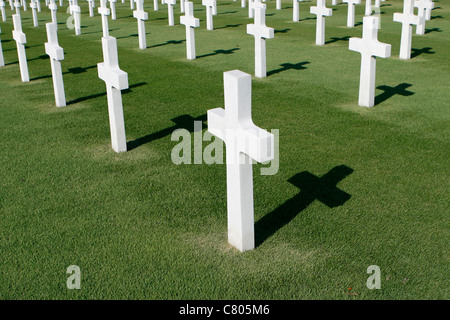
pixel 389 92
pixel 311 188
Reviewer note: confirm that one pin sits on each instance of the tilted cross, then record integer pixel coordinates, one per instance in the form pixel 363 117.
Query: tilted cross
pixel 370 48
pixel 261 32
pixel 422 7
pixel 244 142
pixel 116 80
pixel 209 13
pixel 104 11
pixel 56 54
pixel 351 12
pixel 21 40
pixel 407 19
pixel 170 4
pixel 190 22
pixel 141 16
pixel 321 11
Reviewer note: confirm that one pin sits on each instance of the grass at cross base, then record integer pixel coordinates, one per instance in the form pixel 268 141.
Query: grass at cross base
pixel 141 227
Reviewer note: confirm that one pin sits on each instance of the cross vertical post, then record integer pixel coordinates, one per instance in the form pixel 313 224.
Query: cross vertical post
pixel 56 54
pixel 407 19
pixel 33 6
pixel 141 16
pixel 190 22
pixel 422 7
pixel 244 142
pixel 321 11
pixel 53 7
pixel 209 13
pixel 170 4
pixel 112 5
pixel 21 40
pixel 104 11
pixel 351 12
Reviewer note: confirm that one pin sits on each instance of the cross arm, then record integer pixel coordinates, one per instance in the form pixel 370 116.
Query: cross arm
pixel 190 21
pixel 260 32
pixel 141 15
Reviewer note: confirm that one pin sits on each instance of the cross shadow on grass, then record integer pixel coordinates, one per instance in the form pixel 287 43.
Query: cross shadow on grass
pixel 311 188
pixel 229 26
pixel 416 52
pixel 76 70
pixel 216 52
pixel 184 121
pixel 93 96
pixel 289 66
pixel 282 30
pixel 433 30
pixel 166 43
pixel 336 39
pixel 389 92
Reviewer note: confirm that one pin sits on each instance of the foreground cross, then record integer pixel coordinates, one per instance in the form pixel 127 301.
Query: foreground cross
pixel 370 48
pixel 244 142
pixel 422 7
pixel 56 54
pixel 407 19
pixel 351 12
pixel 76 11
pixel 261 32
pixel 53 7
pixel 170 4
pixel 21 40
pixel 190 22
pixel 116 80
pixel 320 11
pixel 209 13
pixel 141 16
pixel 33 6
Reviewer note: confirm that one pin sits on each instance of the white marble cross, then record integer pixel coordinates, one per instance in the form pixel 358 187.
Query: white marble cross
pixel 91 8
pixel 132 4
pixel 2 59
pixel 370 48
pixel 141 16
pixel 24 5
pixel 60 3
pixel 33 6
pixel 296 10
pixel 242 3
pixel 170 4
pixel 155 5
pixel 214 11
pixel 261 32
pixel 11 4
pixel 251 8
pixel 422 7
pixel 209 13
pixel 56 54
pixel 38 4
pixel 368 10
pixel 320 11
pixel 2 9
pixel 104 11
pixel 428 11
pixel 244 142
pixel 53 7
pixel 21 40
pixel 116 80
pixel 278 5
pixel 377 4
pixel 112 5
pixel 190 22
pixel 407 19
pixel 334 2
pixel 17 5
pixel 351 12
pixel 76 11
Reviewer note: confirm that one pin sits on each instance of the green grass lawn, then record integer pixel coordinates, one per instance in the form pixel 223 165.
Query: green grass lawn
pixel 141 227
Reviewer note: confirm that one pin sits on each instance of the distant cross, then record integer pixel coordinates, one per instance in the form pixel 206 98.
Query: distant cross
pixel 91 8
pixel 190 22
pixel 76 11
pixel 261 32
pixel 392 91
pixel 155 5
pixel 242 3
pixel 296 10
pixel 368 11
pixel 278 5
pixel 141 16
pixel 24 5
pixel 60 3
pixel 53 8
pixel 112 5
pixel 132 4
pixel 251 8
pixel 423 6
pixel 214 9
pixel 209 13
pixel 56 54
pixel 38 4
pixel 321 12
pixel 351 12
pixel 244 142
pixel 17 5
pixel 11 4
pixel 370 48
pixel 428 11
pixel 377 4
pixel 21 40
pixel 2 59
pixel 104 12
pixel 170 4
pixel 116 80
pixel 2 9
pixel 333 2
pixel 33 6
pixel 407 19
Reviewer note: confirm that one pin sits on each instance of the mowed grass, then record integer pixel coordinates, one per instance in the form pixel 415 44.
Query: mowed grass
pixel 141 227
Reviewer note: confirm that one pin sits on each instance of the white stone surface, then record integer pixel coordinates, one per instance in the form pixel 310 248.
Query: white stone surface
pixel 17 6
pixel 244 142
pixel 132 4
pixel 112 6
pixel 170 4
pixel 334 2
pixel 368 10
pixel 155 5
pixel 2 10
pixel 407 19
pixel 261 32
pixel 428 12
pixel 76 12
pixel 278 4
pixel 104 11
pixel 242 3
pixel 209 4
pixel 351 12
pixel 21 40
pixel 321 11
pixel 190 22
pixel 370 48
pixel 91 8
pixel 295 10
pixel 2 59
pixel 116 80
pixel 141 16
pixel 53 8
pixel 56 54
pixel 422 7
pixel 33 6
